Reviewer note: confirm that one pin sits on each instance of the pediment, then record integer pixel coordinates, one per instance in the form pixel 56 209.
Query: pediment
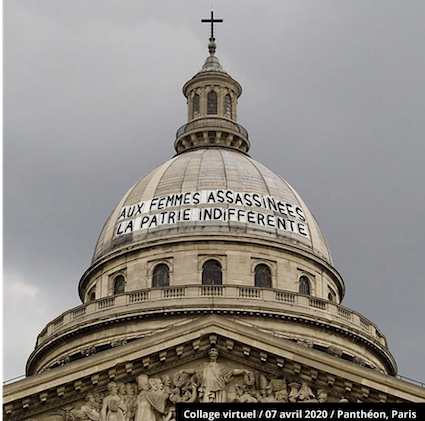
pixel 270 361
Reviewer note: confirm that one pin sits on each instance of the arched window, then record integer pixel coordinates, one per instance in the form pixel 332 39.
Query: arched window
pixel 161 276
pixel 227 106
pixel 263 276
pixel 304 285
pixel 92 294
pixel 212 102
pixel 211 273
pixel 119 285
pixel 331 295
pixel 196 106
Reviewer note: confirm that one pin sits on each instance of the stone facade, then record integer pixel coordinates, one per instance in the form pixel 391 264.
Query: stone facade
pixel 253 364
pixel 211 282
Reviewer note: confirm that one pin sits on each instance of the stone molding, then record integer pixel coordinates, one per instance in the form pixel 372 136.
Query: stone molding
pixel 226 300
pixel 183 347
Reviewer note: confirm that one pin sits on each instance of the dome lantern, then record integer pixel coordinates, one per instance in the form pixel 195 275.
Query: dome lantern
pixel 212 96
pixel 211 250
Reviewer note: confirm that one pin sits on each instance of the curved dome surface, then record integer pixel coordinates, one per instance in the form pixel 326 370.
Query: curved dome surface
pixel 211 190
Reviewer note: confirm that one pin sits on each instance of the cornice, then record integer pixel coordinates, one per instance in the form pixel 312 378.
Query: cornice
pixel 189 342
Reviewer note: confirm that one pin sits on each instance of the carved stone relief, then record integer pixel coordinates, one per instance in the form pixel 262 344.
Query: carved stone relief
pixel 154 398
pixel 88 351
pixel 64 360
pixel 90 410
pixel 118 342
pixel 212 377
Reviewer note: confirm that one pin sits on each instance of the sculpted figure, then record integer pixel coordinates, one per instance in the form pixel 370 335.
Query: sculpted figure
pixel 122 393
pixel 111 410
pixel 151 399
pixel 144 411
pixel 213 378
pixel 115 412
pixel 130 401
pixel 243 395
pixel 181 383
pixel 190 394
pixel 280 389
pixel 166 383
pixel 186 389
pixel 305 393
pixel 90 409
pixel 281 395
pixel 75 415
pixel 261 384
pixel 157 397
pixel 171 415
pixel 269 396
pixel 322 395
pixel 293 394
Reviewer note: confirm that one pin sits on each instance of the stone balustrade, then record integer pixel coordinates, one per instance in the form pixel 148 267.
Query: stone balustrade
pixel 226 298
pixel 211 121
pixel 212 131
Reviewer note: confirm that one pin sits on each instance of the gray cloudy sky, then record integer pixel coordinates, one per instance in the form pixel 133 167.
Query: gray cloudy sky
pixel 334 101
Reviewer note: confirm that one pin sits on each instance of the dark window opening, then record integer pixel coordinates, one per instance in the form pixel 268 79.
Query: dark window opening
pixel 196 106
pixel 211 273
pixel 92 294
pixel 227 106
pixel 161 276
pixel 263 276
pixel 119 285
pixel 304 285
pixel 212 102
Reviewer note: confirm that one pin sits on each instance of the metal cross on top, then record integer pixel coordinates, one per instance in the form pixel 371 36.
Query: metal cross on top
pixel 212 21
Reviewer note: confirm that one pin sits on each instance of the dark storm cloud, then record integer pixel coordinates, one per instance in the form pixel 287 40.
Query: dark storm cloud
pixel 333 100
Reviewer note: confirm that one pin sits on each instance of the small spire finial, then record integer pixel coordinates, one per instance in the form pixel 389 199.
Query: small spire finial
pixel 212 45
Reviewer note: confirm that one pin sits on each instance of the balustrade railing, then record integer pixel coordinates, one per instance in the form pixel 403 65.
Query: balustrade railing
pixel 58 323
pixel 212 122
pixel 42 334
pixel 228 296
pixel 135 297
pixel 342 311
pixel 365 323
pixel 174 292
pixel 316 303
pixel 105 303
pixel 249 292
pixel 286 297
pixel 78 312
pixel 208 290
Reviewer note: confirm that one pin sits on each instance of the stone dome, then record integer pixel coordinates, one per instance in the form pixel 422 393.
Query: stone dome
pixel 211 232
pixel 211 190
